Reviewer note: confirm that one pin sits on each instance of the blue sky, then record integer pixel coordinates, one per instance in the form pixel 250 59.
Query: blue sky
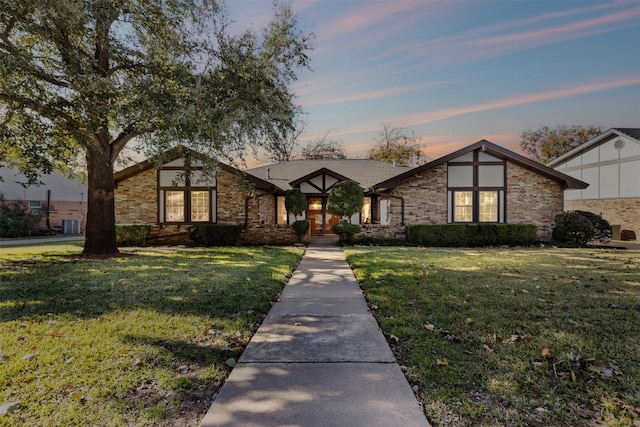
pixel 455 72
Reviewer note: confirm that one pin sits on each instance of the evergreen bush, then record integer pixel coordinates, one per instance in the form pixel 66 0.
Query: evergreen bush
pixel 301 228
pixel 471 235
pixel 132 234
pixel 215 234
pixel 580 227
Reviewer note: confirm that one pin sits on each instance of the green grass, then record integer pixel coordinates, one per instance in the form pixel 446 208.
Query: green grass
pixel 517 315
pixel 136 340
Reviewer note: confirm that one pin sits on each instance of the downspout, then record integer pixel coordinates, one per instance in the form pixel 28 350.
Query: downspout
pixel 48 210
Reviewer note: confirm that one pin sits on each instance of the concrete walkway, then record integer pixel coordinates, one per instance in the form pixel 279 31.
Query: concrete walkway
pixel 319 359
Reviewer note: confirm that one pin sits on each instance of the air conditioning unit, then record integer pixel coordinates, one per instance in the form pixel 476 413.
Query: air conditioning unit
pixel 70 226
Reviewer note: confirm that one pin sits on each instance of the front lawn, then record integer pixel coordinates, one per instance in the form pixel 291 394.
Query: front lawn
pixel 143 339
pixel 512 337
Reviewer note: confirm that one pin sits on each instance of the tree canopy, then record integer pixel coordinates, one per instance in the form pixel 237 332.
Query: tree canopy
pixel 395 146
pixel 295 202
pixel 79 80
pixel 545 144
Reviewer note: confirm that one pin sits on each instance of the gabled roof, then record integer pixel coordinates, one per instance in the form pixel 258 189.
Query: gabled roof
pixel 181 151
pixel 495 150
pixel 285 175
pixel 316 173
pixel 633 133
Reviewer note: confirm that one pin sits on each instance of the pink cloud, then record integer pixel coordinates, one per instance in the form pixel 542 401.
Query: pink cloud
pixel 563 32
pixel 375 94
pixel 428 117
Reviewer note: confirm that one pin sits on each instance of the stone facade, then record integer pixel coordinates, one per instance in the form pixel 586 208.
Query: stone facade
pixel 532 199
pixel 421 198
pixel 136 200
pixel 258 234
pixel 623 212
pixel 425 198
pixel 378 231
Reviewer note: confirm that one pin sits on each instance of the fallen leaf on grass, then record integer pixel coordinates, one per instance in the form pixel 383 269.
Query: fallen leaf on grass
pixel 442 362
pixel 546 352
pixel 513 339
pixel 487 348
pixel 449 336
pixel 429 327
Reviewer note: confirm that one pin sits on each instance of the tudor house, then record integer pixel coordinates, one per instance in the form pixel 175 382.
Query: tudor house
pixel 482 182
pixel 610 164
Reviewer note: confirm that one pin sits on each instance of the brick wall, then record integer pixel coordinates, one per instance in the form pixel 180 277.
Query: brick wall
pixel 255 234
pixel 425 198
pixel 136 199
pixel 136 203
pixel 532 199
pixel 378 231
pixel 58 211
pixel 624 212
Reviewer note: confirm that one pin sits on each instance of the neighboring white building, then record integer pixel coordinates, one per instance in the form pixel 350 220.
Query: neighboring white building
pixel 610 164
pixel 65 197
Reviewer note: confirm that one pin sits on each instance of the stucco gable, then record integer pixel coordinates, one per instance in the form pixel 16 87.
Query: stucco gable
pixel 626 135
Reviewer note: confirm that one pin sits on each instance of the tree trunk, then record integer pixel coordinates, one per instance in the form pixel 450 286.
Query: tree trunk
pixel 100 236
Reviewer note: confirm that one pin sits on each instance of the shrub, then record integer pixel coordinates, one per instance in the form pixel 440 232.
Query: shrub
pixel 601 226
pixel 295 202
pixel 346 231
pixel 472 235
pixel 16 221
pixel 441 235
pixel 380 241
pixel 580 227
pixel 132 234
pixel 301 228
pixel 215 234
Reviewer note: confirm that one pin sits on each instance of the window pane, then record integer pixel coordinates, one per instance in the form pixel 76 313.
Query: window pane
pixel 488 206
pixel 169 178
pixel 366 210
pixel 282 211
pixel 175 206
pixel 463 206
pixel 199 206
pixel 35 207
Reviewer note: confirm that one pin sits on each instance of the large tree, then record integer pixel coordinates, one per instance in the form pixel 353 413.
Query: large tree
pixel 545 144
pixel 79 80
pixel 394 145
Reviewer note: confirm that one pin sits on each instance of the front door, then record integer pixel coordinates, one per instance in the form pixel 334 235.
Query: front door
pixel 319 218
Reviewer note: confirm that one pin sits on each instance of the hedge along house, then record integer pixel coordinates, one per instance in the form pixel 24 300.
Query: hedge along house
pixel 610 163
pixel 479 183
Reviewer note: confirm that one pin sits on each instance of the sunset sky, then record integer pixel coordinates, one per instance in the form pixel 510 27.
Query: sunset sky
pixel 455 72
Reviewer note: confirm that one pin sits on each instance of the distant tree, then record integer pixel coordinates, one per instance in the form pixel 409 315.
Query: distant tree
pixel 82 79
pixel 546 144
pixel 324 149
pixel 345 199
pixel 395 146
